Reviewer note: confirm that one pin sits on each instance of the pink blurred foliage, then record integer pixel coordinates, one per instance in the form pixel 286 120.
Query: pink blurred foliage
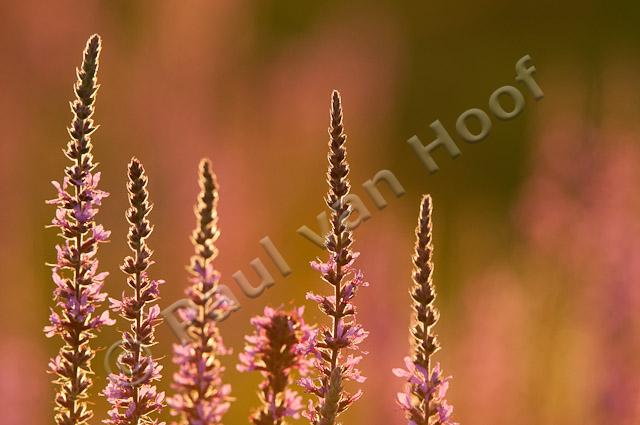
pixel 491 351
pixel 23 381
pixel 580 212
pixel 387 311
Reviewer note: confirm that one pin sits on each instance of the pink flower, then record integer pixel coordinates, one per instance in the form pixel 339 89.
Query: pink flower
pixel 423 401
pixel 201 397
pixel 133 395
pixel 276 349
pixel 77 293
pixel 424 386
pixel 335 352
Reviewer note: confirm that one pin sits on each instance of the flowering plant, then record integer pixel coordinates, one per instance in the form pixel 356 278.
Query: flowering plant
pixel 336 352
pixel 131 392
pixel 201 396
pixel 78 292
pixel 276 349
pixel 424 399
pixel 283 348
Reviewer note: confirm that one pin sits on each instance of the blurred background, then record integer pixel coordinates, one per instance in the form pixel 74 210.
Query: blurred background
pixel 537 228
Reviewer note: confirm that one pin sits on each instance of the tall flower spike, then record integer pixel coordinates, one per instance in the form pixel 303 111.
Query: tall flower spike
pixel 276 349
pixel 131 392
pixel 336 351
pixel 424 400
pixel 202 398
pixel 78 285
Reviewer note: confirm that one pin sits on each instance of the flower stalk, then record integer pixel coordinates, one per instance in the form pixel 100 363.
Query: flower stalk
pixel 78 293
pixel 276 349
pixel 132 394
pixel 201 397
pixel 336 353
pixel 424 399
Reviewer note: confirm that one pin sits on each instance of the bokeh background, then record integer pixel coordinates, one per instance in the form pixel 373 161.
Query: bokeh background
pixel 537 228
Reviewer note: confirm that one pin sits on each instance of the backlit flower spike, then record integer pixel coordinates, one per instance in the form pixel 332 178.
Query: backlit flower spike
pixel 335 351
pixel 78 292
pixel 131 392
pixel 276 349
pixel 201 397
pixel 423 401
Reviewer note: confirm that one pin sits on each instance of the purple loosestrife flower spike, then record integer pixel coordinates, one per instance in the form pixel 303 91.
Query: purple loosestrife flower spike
pixel 78 285
pixel 202 398
pixel 276 349
pixel 424 400
pixel 335 351
pixel 133 396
